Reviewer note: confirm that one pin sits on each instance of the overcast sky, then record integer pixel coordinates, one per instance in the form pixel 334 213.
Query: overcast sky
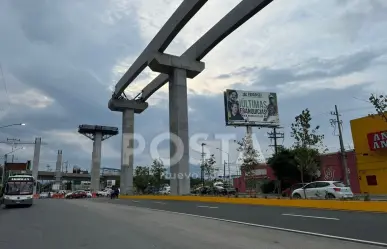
pixel 61 59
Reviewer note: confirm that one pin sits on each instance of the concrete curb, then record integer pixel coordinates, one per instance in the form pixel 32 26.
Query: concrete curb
pixel 366 206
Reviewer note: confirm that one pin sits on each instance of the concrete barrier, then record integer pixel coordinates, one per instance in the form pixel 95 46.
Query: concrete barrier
pixel 367 206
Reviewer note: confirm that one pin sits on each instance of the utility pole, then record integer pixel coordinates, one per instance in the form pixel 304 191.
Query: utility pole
pixel 276 135
pixel 202 165
pixel 342 149
pixel 224 171
pixel 3 172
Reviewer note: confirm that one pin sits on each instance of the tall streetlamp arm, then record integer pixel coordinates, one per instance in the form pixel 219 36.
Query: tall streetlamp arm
pixel 5 126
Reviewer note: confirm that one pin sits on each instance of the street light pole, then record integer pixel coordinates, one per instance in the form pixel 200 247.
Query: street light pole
pixel 202 165
pixel 228 165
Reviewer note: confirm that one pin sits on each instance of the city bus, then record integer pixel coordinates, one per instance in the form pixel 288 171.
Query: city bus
pixel 18 190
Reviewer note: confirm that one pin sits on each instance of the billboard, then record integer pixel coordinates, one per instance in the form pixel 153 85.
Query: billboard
pixel 247 108
pixel 110 183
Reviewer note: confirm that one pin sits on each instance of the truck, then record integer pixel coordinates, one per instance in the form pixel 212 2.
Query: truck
pixel 18 190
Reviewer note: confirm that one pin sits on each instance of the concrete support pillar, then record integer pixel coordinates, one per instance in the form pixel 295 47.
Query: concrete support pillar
pixel 96 162
pixel 178 127
pixel 128 108
pixel 178 69
pixel 35 162
pixel 126 183
pixel 58 173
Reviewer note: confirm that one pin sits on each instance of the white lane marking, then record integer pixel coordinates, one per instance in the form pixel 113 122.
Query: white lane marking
pixel 206 207
pixel 313 217
pixel 159 202
pixel 368 242
pixel 136 201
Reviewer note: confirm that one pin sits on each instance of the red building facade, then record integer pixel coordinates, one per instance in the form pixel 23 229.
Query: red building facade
pixel 331 169
pixel 262 172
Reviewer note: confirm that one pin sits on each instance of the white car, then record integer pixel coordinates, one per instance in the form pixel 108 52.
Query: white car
pixel 104 193
pixel 323 190
pixel 165 191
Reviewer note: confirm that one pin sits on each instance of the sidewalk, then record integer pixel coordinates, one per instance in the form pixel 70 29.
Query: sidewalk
pixel 373 197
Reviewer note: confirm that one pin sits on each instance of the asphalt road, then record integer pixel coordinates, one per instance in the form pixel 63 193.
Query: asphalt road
pixel 344 224
pixel 86 224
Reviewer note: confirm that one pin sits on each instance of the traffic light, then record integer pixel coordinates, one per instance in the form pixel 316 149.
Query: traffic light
pixel 29 165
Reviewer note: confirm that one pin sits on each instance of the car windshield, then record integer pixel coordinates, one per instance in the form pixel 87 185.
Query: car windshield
pixel 19 188
pixel 339 184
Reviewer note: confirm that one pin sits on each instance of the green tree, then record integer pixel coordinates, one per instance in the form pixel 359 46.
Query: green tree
pixel 307 144
pixel 308 162
pixel 380 104
pixel 1 174
pixel 304 134
pixel 209 166
pixel 195 182
pixel 142 178
pixel 158 171
pixel 284 165
pixel 249 161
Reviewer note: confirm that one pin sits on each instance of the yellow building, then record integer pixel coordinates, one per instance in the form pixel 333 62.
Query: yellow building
pixel 370 140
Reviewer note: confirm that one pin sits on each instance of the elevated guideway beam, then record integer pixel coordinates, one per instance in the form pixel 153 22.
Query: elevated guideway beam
pixel 228 24
pixel 160 42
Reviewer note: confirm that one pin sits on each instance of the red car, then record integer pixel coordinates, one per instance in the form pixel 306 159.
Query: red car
pixel 76 195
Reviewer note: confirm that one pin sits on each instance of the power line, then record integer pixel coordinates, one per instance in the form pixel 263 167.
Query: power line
pixel 13 141
pixel 274 135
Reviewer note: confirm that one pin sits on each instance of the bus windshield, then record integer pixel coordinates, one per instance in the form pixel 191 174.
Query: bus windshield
pixel 19 188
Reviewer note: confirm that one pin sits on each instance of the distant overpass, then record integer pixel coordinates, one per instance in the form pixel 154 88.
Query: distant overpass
pixel 106 174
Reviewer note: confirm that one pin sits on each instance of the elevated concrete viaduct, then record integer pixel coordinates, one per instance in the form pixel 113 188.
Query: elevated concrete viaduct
pixel 176 70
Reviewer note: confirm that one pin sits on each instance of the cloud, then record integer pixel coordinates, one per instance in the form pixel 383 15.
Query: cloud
pixel 61 59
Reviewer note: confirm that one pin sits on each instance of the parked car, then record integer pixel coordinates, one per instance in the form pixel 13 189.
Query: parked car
pixel 323 190
pixel 288 192
pixel 165 191
pixel 76 195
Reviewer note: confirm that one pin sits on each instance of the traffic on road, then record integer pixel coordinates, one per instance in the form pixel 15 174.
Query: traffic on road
pixel 18 191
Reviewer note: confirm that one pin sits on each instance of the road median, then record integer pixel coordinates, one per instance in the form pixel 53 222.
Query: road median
pixel 367 206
